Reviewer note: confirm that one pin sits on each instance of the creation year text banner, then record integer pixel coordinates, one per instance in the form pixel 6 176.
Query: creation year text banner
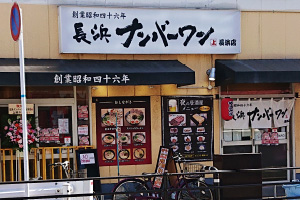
pixel 149 31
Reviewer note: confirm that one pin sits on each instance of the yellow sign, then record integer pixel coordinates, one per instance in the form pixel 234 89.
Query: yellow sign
pixel 204 108
pixel 16 109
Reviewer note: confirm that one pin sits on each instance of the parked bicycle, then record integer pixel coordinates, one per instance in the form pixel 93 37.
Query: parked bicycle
pixel 186 187
pixel 195 182
pixel 65 166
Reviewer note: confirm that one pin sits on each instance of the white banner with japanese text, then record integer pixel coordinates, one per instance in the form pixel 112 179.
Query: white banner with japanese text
pixel 240 118
pixel 149 31
pixel 282 111
pixel 260 114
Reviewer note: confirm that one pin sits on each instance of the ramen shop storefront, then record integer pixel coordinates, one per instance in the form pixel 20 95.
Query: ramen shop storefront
pixel 59 91
pixel 127 94
pixel 264 106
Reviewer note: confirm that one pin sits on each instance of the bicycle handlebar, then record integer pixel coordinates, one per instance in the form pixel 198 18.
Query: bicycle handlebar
pixel 179 158
pixel 63 164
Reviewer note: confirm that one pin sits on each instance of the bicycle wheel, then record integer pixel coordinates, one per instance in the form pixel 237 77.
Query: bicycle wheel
pixel 195 190
pixel 127 186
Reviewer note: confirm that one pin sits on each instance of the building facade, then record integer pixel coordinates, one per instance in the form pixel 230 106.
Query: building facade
pixel 89 111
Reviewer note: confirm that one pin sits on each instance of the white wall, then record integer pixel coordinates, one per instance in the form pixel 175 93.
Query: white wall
pixel 244 5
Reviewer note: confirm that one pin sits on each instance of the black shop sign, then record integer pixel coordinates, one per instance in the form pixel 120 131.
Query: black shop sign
pixel 188 126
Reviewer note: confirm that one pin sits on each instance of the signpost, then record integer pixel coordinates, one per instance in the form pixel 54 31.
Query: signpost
pixel 17 34
pixel 15 22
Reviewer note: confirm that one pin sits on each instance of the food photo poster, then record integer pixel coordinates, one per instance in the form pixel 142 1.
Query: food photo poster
pixel 188 126
pixel 124 130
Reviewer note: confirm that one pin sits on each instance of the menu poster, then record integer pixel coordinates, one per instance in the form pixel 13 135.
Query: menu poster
pixel 84 140
pixel 63 125
pixel 123 123
pixel 83 130
pixel 161 166
pixel 188 126
pixel 49 135
pixel 83 112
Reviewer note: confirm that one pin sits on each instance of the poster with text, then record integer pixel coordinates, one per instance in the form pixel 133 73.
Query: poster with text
pixel 123 130
pixel 188 126
pixel 83 112
pixel 63 125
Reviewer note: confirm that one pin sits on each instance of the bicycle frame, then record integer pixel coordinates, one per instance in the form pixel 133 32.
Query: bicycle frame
pixel 173 188
pixel 66 167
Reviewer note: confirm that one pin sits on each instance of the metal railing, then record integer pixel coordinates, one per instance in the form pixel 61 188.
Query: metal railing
pixel 39 158
pixel 216 187
pixel 165 191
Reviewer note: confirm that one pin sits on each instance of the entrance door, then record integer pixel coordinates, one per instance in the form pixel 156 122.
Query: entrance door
pixel 56 124
pixel 273 155
pixel 49 114
pixel 249 141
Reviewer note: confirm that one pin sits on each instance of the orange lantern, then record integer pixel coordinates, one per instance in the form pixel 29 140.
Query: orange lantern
pixel 227 109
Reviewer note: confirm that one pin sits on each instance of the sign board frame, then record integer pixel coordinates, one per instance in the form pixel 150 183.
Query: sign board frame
pixel 92 169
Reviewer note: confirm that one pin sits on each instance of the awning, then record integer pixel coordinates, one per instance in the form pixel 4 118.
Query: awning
pixel 45 72
pixel 257 71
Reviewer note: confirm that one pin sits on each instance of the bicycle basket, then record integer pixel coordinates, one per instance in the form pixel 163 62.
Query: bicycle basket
pixel 191 168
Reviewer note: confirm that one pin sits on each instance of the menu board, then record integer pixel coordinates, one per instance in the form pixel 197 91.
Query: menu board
pixel 129 117
pixel 161 166
pixel 188 125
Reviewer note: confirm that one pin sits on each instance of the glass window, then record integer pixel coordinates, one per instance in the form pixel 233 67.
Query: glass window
pixel 55 123
pixel 237 135
pixel 37 92
pixel 227 134
pixel 246 134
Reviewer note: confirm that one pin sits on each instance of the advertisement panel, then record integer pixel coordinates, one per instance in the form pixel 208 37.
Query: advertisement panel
pixel 123 123
pixel 188 126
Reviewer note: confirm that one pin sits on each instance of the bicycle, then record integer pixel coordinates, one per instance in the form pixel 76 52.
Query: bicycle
pixel 195 183
pixel 66 167
pixel 189 187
